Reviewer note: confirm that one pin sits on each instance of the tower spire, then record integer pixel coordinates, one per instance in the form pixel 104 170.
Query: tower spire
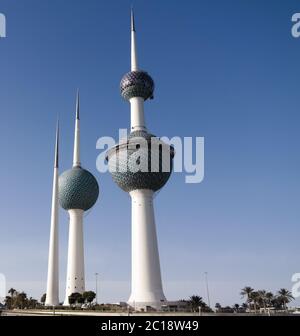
pixel 56 145
pixel 76 155
pixel 136 86
pixel 77 105
pixel 134 61
pixel 132 20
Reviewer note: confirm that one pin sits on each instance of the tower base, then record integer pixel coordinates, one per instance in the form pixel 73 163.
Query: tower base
pixel 149 305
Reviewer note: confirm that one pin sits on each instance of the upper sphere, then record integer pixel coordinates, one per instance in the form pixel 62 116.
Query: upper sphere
pixel 137 84
pixel 78 189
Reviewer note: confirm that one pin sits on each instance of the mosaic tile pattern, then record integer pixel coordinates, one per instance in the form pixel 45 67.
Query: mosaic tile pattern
pixel 78 189
pixel 137 84
pixel 130 162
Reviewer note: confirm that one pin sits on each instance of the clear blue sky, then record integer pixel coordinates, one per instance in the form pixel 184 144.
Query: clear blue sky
pixel 226 70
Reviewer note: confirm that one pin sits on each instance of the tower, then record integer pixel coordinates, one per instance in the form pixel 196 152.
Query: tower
pixel 52 293
pixel 78 192
pixel 141 164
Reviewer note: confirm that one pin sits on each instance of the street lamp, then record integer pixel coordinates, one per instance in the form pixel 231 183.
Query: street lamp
pixel 207 290
pixel 96 274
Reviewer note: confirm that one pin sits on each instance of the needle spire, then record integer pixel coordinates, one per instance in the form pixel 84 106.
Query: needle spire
pixel 56 145
pixel 134 61
pixel 76 155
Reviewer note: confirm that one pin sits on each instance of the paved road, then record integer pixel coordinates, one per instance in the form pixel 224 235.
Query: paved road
pixel 89 313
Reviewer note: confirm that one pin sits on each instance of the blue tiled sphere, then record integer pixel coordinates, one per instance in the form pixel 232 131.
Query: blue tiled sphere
pixel 137 84
pixel 78 189
pixel 122 160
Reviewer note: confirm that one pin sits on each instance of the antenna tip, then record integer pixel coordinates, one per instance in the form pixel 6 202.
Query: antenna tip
pixel 77 104
pixel 132 19
pixel 56 144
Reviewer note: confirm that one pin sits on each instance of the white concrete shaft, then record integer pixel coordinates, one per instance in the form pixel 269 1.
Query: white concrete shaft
pixel 146 286
pixel 137 114
pixel 76 153
pixel 75 268
pixel 134 61
pixel 52 292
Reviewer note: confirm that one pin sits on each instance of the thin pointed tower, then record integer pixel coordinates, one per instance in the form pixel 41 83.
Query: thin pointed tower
pixel 52 294
pixel 78 192
pixel 141 164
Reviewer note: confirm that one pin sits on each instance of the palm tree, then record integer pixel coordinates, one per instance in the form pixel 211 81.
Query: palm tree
pixel 254 297
pixel 285 297
pixel 246 291
pixel 196 301
pixel 262 298
pixel 21 300
pixel 276 302
pixel 43 298
pixel 269 298
pixel 218 307
pixel 12 292
pixel 32 303
pixel 13 298
pixel 244 307
pixel 236 307
pixel 8 302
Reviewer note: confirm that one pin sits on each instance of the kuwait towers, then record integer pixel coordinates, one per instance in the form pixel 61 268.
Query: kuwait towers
pixel 141 164
pixel 77 191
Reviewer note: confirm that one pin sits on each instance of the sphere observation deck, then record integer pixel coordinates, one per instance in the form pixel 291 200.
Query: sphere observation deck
pixel 137 84
pixel 141 161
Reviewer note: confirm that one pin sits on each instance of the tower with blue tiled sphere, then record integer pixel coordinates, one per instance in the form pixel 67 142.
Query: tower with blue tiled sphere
pixel 141 165
pixel 78 192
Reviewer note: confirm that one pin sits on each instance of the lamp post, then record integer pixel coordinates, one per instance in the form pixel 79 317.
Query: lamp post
pixel 96 274
pixel 207 290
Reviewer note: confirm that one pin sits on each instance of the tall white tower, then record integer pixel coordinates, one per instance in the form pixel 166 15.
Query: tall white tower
pixel 141 165
pixel 52 294
pixel 78 192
